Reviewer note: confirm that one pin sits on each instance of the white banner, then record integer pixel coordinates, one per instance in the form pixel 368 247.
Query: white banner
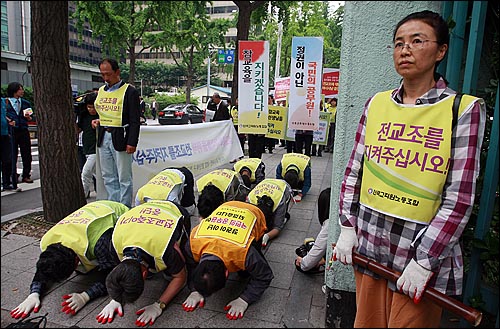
pixel 305 83
pixel 200 147
pixel 253 86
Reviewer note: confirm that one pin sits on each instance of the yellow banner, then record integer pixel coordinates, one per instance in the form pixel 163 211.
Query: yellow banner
pixel 277 121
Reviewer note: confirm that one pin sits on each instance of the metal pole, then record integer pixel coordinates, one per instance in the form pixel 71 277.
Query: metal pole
pixel 278 53
pixel 208 75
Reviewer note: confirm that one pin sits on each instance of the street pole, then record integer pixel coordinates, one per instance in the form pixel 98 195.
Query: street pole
pixel 278 53
pixel 208 75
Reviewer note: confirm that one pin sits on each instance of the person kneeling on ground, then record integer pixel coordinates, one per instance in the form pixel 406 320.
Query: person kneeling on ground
pixel 220 245
pixel 295 169
pixel 93 225
pixel 142 248
pixel 280 194
pixel 227 181
pixel 252 171
pixel 311 257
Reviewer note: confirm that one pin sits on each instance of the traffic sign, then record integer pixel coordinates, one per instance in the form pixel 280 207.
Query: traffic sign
pixel 225 56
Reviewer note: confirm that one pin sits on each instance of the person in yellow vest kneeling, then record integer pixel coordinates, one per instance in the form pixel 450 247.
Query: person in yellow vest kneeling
pixel 148 237
pixel 295 169
pixel 277 193
pixel 83 237
pixel 252 171
pixel 219 186
pixel 229 240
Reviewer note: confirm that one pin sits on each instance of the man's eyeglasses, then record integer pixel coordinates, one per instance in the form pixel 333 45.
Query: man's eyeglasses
pixel 416 44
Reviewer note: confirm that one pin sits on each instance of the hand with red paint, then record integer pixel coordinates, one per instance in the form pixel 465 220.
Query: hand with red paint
pixel 108 312
pixel 413 281
pixel 31 303
pixel 236 309
pixel 74 302
pixel 192 301
pixel 148 314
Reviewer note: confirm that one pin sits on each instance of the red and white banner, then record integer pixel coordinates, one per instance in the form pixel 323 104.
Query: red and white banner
pixel 281 88
pixel 330 86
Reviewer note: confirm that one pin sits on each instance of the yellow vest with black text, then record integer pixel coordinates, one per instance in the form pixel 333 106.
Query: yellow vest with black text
pixel 149 226
pixel 407 156
pixel 109 106
pixel 333 111
pixel 272 187
pixel 228 233
pixel 234 115
pixel 295 161
pixel 221 178
pixel 80 230
pixel 160 186
pixel 251 163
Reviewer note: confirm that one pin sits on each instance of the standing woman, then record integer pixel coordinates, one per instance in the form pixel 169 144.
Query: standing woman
pixel 428 164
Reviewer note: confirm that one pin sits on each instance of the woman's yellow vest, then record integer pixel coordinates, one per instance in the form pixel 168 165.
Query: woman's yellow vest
pixel 109 106
pixel 295 161
pixel 228 233
pixel 272 187
pixel 333 111
pixel 221 178
pixel 234 115
pixel 160 186
pixel 80 230
pixel 407 156
pixel 149 226
pixel 251 163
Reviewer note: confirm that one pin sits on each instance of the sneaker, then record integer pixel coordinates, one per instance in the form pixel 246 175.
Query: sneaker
pixel 27 180
pixel 11 188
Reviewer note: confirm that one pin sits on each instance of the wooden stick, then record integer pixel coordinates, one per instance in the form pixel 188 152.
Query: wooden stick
pixel 470 314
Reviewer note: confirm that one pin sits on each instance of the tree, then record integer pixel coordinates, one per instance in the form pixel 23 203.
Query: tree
pixel 191 35
pixel 121 24
pixel 245 10
pixel 61 186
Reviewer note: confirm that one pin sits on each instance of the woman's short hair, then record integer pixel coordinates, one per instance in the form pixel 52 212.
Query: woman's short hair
pixel 210 198
pixel 266 204
pixel 56 263
pixel 209 276
pixel 125 283
pixel 246 180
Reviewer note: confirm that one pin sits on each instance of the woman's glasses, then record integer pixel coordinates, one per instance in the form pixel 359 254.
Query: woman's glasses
pixel 416 44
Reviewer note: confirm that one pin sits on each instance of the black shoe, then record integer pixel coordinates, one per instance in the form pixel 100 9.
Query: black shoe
pixel 319 154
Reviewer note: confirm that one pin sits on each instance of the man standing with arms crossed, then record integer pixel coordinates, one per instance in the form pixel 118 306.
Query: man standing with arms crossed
pixel 118 132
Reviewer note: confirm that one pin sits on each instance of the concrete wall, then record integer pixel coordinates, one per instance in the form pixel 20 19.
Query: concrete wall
pixel 366 67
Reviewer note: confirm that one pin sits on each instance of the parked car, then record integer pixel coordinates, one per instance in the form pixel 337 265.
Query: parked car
pixel 179 114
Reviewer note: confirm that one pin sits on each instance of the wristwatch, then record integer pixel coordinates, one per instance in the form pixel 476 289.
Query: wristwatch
pixel 162 304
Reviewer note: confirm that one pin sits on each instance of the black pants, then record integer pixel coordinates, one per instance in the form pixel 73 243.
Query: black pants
pixel 22 142
pixel 303 142
pixel 6 160
pixel 256 145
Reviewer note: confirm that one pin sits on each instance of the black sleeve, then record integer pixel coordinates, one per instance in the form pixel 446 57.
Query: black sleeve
pixel 132 115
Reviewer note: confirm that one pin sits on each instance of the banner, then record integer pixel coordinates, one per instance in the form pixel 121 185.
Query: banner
pixel 320 136
pixel 281 88
pixel 330 85
pixel 253 86
pixel 276 122
pixel 305 83
pixel 200 147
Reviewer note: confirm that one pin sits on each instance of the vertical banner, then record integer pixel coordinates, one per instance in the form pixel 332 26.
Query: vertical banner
pixel 276 122
pixel 330 86
pixel 281 88
pixel 320 136
pixel 253 86
pixel 305 83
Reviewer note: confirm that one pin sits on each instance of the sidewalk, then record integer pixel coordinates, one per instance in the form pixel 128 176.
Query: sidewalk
pixel 294 299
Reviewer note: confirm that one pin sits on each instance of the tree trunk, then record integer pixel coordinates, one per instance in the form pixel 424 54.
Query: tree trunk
pixel 131 57
pixel 61 185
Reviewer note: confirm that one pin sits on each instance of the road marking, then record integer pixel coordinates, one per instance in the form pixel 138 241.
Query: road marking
pixel 24 186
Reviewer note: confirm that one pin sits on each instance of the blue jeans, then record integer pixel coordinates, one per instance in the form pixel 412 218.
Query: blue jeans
pixel 116 170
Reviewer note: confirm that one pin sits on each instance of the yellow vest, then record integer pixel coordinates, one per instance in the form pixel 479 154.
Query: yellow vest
pixel 234 115
pixel 160 186
pixel 221 178
pixel 333 111
pixel 109 106
pixel 407 155
pixel 149 226
pixel 80 230
pixel 228 233
pixel 272 187
pixel 251 163
pixel 295 161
